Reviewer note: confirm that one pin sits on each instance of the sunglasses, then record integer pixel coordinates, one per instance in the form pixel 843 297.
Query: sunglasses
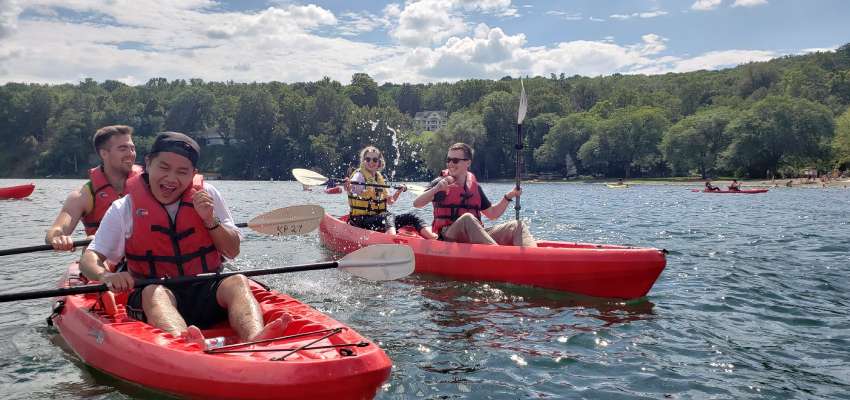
pixel 455 160
pixel 370 159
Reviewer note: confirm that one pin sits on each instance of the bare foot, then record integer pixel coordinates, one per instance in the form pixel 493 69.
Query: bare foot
pixel 273 329
pixel 193 335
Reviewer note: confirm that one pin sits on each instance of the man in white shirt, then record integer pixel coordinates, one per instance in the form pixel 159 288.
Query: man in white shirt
pixel 172 224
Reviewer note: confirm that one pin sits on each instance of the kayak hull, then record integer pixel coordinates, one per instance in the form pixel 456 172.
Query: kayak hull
pixel 582 268
pixel 334 190
pixel 139 353
pixel 616 186
pixel 742 191
pixel 16 192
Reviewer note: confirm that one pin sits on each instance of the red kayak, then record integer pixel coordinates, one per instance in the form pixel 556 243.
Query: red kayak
pixel 334 190
pixel 333 362
pixel 742 191
pixel 16 192
pixel 582 268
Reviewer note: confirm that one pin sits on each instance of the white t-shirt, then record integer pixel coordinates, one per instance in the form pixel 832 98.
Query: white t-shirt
pixel 117 224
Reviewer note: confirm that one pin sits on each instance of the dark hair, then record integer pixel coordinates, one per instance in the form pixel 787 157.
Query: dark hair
pixel 177 143
pixel 467 151
pixel 104 134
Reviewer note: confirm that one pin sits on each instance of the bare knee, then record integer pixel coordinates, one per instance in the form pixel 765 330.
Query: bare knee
pixel 156 295
pixel 230 287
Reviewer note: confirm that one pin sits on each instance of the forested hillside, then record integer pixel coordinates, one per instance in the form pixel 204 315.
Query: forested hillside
pixel 757 119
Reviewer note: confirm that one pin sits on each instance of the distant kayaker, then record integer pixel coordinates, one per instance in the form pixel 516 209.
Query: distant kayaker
pixel 171 223
pixel 459 203
pixel 368 204
pixel 114 145
pixel 710 187
pixel 735 186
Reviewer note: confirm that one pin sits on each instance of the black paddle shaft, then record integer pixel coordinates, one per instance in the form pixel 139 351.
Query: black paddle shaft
pixel 38 294
pixel 337 180
pixel 77 243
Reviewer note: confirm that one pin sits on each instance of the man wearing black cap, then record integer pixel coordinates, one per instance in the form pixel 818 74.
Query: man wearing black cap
pixel 173 224
pixel 114 145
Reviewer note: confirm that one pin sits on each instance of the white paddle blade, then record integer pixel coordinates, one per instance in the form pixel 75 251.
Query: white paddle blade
pixel 309 178
pixel 379 262
pixel 294 220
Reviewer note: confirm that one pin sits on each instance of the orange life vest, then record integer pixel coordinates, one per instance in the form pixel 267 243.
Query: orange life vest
pixel 103 194
pixel 458 200
pixel 160 247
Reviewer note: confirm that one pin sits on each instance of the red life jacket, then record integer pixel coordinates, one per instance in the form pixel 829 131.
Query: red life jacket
pixel 103 194
pixel 458 200
pixel 158 247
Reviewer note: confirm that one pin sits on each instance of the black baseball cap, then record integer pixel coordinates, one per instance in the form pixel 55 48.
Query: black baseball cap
pixel 177 143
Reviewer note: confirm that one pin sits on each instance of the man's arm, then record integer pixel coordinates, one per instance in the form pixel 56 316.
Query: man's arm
pixel 210 206
pixel 93 266
pixel 437 186
pixel 496 210
pixel 77 204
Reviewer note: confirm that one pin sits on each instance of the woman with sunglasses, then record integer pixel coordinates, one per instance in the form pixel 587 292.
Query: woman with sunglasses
pixel 459 203
pixel 368 204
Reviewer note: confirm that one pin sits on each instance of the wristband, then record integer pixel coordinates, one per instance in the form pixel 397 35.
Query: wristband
pixel 507 199
pixel 215 225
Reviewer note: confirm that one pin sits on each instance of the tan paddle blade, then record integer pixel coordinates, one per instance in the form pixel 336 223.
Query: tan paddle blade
pixel 379 262
pixel 294 220
pixel 309 178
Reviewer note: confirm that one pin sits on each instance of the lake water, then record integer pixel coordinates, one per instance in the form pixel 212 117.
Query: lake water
pixel 753 304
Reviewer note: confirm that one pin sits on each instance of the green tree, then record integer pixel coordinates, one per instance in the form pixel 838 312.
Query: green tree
pixel 363 90
pixel 777 129
pixel 841 142
pixel 695 142
pixel 564 140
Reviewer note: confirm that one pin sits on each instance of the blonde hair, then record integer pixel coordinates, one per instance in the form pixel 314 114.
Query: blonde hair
pixel 369 149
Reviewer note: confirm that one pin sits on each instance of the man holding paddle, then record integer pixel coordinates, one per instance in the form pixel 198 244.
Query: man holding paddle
pixel 173 224
pixel 114 145
pixel 459 203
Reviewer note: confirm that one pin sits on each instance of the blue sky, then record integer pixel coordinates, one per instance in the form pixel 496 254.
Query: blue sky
pixel 57 41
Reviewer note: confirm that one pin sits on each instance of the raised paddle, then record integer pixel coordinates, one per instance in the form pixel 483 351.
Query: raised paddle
pixel 523 108
pixel 379 262
pixel 293 220
pixel 312 178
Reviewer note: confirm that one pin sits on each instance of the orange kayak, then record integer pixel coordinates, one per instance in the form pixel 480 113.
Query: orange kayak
pixel 317 358
pixel 583 268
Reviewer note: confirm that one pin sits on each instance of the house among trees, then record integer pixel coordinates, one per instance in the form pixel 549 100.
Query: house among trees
pixel 430 120
pixel 210 137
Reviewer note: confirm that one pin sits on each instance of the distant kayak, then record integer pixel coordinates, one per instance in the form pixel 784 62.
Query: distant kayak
pixel 616 186
pixel 334 190
pixel 16 192
pixel 743 191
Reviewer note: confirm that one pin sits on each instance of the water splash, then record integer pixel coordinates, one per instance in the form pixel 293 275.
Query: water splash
pixel 394 138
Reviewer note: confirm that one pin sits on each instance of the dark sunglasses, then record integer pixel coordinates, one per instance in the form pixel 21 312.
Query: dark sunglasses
pixel 370 159
pixel 455 160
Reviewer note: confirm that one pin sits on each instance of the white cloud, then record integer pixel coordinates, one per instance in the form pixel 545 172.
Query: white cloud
pixel 353 24
pixel 431 22
pixel 650 14
pixel 425 23
pixel 289 43
pixel 706 5
pixel 565 15
pixel 749 3
pixel 9 11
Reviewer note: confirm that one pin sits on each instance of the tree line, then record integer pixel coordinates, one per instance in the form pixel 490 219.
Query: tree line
pixel 754 120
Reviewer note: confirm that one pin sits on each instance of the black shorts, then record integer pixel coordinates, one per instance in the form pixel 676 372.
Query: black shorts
pixel 380 222
pixel 196 302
